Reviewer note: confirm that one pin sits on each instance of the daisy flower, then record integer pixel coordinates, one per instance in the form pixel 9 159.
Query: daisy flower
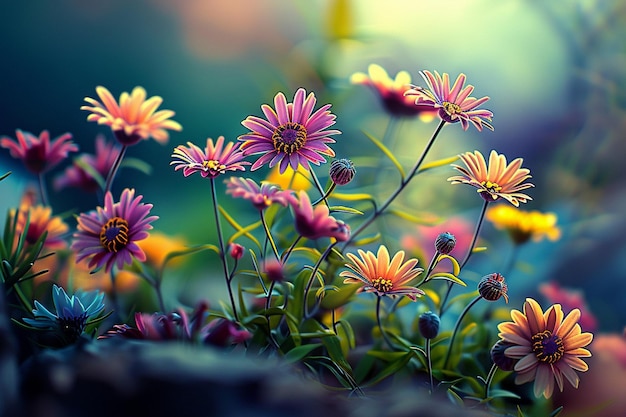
pixel 316 222
pixel 499 180
pixel 41 220
pixel 291 135
pixel 547 346
pixel 134 118
pixel 214 160
pixel 38 153
pixel 523 225
pixel 391 91
pixel 261 196
pixel 453 103
pixel 108 236
pixel 377 274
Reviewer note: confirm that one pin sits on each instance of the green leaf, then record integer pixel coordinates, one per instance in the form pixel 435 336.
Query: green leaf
pixel 338 298
pixel 352 197
pixel 244 231
pixel 556 412
pixel 438 163
pixel 5 175
pixel 137 164
pixel 519 412
pixel 425 219
pixel 91 171
pixel 344 209
pixel 333 346
pixel 237 226
pixel 447 277
pixel 300 352
pixel 391 368
pixel 387 153
pixel 189 251
pixel 502 393
pixel 366 240
pixel 454 397
pixel 456 269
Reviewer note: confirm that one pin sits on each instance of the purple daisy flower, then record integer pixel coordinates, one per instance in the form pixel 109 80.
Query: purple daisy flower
pixel 316 222
pixel 291 135
pixel 454 103
pixel 261 196
pixel 109 235
pixel 216 158
pixel 38 153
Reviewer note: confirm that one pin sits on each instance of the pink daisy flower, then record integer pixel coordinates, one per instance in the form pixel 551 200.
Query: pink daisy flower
pixel 38 153
pixel 216 158
pixel 108 236
pixel 261 196
pixel 454 103
pixel 291 135
pixel 316 222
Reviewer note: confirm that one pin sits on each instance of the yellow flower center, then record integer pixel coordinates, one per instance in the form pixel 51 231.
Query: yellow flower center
pixel 114 234
pixel 289 138
pixel 548 348
pixel 452 108
pixel 214 166
pixel 492 187
pixel 382 284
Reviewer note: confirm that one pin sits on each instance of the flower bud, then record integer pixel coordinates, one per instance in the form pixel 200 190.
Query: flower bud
pixel 274 270
pixel 236 251
pixel 342 171
pixel 428 325
pixel 491 287
pixel 499 358
pixel 445 242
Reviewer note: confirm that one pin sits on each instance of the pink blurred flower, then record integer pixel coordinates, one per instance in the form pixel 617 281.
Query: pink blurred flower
pixel 453 103
pixel 424 238
pixel 38 153
pixel 314 223
pixel 570 299
pixel 291 135
pixel 236 251
pixel 261 196
pixel 214 160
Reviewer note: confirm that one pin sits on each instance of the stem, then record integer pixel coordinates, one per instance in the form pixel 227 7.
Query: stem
pixel 318 185
pixel 489 380
pixel 220 238
pixel 380 326
pixel 456 329
pixel 287 253
pixel 114 168
pixel 430 366
pixel 326 194
pixel 269 236
pixel 403 184
pixel 42 189
pixel 268 300
pixel 309 284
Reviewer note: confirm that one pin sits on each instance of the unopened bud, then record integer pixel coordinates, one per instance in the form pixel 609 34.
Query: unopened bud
pixel 491 287
pixel 445 242
pixel 342 171
pixel 428 325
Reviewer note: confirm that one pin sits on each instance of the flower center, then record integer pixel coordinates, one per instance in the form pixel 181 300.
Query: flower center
pixel 72 327
pixel 289 138
pixel 114 234
pixel 492 187
pixel 214 166
pixel 547 347
pixel 452 108
pixel 382 284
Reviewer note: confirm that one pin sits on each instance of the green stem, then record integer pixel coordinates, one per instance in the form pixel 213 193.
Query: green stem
pixel 318 185
pixel 380 325
pixel 326 195
pixel 403 184
pixel 42 189
pixel 309 284
pixel 489 380
pixel 220 238
pixel 114 168
pixel 430 365
pixel 456 329
pixel 269 236
pixel 287 253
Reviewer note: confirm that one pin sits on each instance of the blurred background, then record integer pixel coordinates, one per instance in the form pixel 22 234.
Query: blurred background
pixel 554 72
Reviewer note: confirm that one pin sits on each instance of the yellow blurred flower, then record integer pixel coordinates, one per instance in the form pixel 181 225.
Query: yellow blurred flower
pixel 523 225
pixel 290 179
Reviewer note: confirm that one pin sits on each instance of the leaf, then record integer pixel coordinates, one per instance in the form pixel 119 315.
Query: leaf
pixel 502 393
pixel 387 153
pixel 454 397
pixel 392 368
pixel 342 296
pixel 438 163
pixel 352 197
pixel 137 164
pixel 333 346
pixel 556 412
pixel 300 352
pixel 344 209
pixel 237 226
pixel 245 231
pixel 456 269
pixel 426 219
pixel 5 175
pixel 447 277
pixel 91 171
pixel 366 240
pixel 189 251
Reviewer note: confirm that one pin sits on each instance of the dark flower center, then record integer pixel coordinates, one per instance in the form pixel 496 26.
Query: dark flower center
pixel 548 347
pixel 382 284
pixel 72 327
pixel 289 138
pixel 214 167
pixel 452 108
pixel 114 234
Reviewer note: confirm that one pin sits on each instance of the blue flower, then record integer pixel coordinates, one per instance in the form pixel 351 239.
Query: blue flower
pixel 71 314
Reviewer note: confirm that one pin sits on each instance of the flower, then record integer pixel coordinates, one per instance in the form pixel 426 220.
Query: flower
pixel 261 196
pixel 38 153
pixel 524 225
pixel 274 270
pixel 498 181
pixel 236 251
pixel 71 314
pixel 224 333
pixel 289 179
pixel 291 135
pixel 570 299
pixel 428 325
pixel 109 235
pixel 548 347
pixel 314 223
pixel 134 118
pixel 81 173
pixel 391 91
pixel 342 171
pixel 491 287
pixel 445 242
pixel 381 276
pixel 499 358
pixel 216 158
pixel 454 104
pixel 41 220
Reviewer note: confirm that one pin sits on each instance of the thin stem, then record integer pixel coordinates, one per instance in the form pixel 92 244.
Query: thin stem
pixel 456 328
pixel 268 299
pixel 326 194
pixel 309 284
pixel 430 365
pixel 489 380
pixel 220 238
pixel 287 253
pixel 403 184
pixel 318 185
pixel 42 189
pixel 380 325
pixel 269 236
pixel 114 168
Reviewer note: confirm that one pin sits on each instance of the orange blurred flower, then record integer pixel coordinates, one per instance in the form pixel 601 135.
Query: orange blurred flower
pixel 524 225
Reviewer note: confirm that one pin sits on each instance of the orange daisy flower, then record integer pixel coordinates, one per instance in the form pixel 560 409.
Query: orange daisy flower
pixel 382 276
pixel 134 118
pixel 499 180
pixel 547 346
